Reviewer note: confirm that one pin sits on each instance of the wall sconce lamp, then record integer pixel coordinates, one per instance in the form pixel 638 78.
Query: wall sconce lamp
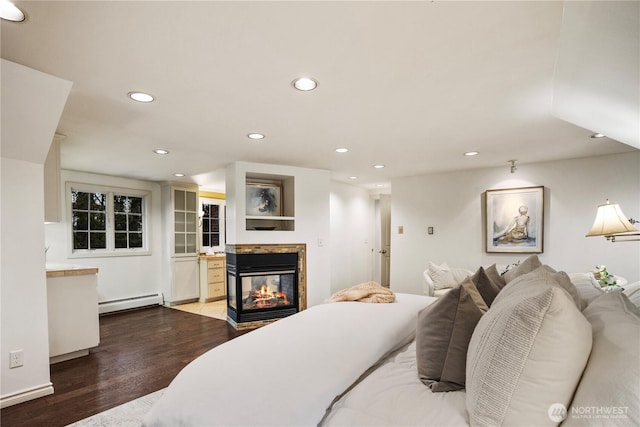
pixel 611 223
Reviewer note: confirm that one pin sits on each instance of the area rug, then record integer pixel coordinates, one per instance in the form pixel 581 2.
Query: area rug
pixel 128 414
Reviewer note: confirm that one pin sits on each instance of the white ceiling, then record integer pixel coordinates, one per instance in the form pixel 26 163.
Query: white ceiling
pixel 412 85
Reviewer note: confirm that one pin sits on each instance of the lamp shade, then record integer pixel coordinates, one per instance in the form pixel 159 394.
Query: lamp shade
pixel 609 221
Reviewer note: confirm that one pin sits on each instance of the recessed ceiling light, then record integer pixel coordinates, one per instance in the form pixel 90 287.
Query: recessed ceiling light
pixel 141 97
pixel 342 150
pixel 178 174
pixel 255 136
pixel 353 177
pixel 378 166
pixel 305 83
pixel 597 135
pixel 161 151
pixel 471 153
pixel 10 12
pixel 379 185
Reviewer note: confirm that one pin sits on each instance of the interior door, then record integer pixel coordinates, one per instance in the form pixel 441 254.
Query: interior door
pixel 385 239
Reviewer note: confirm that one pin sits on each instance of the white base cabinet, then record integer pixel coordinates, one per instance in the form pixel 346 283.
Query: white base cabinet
pixel 185 285
pixel 72 304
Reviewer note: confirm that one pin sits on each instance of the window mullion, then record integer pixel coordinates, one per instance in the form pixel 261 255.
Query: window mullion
pixel 110 228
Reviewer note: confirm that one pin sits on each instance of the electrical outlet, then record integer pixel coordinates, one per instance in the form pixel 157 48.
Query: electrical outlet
pixel 16 358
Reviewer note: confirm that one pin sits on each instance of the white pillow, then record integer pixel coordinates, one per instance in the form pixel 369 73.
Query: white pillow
pixel 632 291
pixel 587 286
pixel 441 276
pixel 543 275
pixel 609 392
pixel 526 354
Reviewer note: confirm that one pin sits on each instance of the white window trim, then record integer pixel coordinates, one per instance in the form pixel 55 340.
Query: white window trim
pixel 222 203
pixel 110 251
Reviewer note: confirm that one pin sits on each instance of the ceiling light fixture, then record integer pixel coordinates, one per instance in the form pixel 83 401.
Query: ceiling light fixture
pixel 255 136
pixel 305 83
pixel 378 166
pixel 11 12
pixel 178 174
pixel 141 97
pixel 471 153
pixel 597 135
pixel 353 177
pixel 161 151
pixel 342 150
pixel 513 168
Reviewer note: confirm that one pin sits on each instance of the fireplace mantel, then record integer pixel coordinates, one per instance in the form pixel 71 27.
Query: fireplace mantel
pixel 236 250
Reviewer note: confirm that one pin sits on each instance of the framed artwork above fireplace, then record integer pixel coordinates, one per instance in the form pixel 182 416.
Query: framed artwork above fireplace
pixel 263 199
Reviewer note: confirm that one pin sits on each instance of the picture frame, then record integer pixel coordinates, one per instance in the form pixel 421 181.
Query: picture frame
pixel 514 220
pixel 263 199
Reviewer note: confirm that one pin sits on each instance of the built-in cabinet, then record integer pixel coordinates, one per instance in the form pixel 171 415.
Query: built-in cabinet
pixel 212 278
pixel 180 225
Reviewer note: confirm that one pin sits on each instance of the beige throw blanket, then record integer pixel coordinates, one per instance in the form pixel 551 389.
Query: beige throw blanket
pixel 364 292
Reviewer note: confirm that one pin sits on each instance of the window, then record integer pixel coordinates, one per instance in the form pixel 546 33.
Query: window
pixel 127 211
pixel 212 222
pixel 89 220
pixel 107 221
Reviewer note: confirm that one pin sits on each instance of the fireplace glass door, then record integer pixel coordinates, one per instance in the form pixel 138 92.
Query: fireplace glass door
pixel 274 289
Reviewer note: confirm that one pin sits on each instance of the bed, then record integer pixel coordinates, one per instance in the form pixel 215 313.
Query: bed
pixel 353 363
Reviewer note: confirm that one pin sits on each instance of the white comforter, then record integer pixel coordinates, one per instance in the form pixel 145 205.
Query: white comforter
pixel 289 372
pixel 393 395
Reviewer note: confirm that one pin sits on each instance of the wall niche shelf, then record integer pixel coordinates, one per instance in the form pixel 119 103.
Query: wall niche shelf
pixel 269 202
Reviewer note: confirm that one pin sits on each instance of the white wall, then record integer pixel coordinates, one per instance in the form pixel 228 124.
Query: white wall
pixel 311 219
pixel 29 120
pixel 24 296
pixel 452 204
pixel 119 277
pixel 351 243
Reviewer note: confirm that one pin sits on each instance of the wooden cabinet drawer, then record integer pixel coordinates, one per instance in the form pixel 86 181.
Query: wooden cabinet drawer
pixel 215 275
pixel 215 263
pixel 216 289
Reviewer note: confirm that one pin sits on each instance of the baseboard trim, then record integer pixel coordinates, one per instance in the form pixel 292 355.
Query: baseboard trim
pixel 26 395
pixel 129 303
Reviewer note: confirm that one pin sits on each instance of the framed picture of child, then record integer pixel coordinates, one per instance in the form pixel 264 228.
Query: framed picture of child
pixel 515 220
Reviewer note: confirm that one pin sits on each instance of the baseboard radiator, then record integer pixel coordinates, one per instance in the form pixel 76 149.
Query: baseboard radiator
pixel 129 303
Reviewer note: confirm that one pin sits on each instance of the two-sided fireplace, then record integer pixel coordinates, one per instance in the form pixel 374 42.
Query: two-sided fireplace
pixel 263 284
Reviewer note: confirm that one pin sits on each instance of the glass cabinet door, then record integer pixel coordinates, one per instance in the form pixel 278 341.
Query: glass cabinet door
pixel 185 222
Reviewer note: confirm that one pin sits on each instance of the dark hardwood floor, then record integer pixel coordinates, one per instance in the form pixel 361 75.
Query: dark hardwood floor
pixel 140 352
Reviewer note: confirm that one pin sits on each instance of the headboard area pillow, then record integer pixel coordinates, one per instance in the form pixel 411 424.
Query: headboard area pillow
pixel 494 275
pixel 527 266
pixel 587 286
pixel 543 275
pixel 487 288
pixel 443 332
pixel 526 354
pixel 609 392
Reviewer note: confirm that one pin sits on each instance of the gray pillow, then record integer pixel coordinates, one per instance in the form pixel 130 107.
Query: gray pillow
pixel 610 379
pixel 488 290
pixel 443 332
pixel 494 275
pixel 527 266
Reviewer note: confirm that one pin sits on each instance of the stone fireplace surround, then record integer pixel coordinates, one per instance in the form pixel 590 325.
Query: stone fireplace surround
pixel 280 248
